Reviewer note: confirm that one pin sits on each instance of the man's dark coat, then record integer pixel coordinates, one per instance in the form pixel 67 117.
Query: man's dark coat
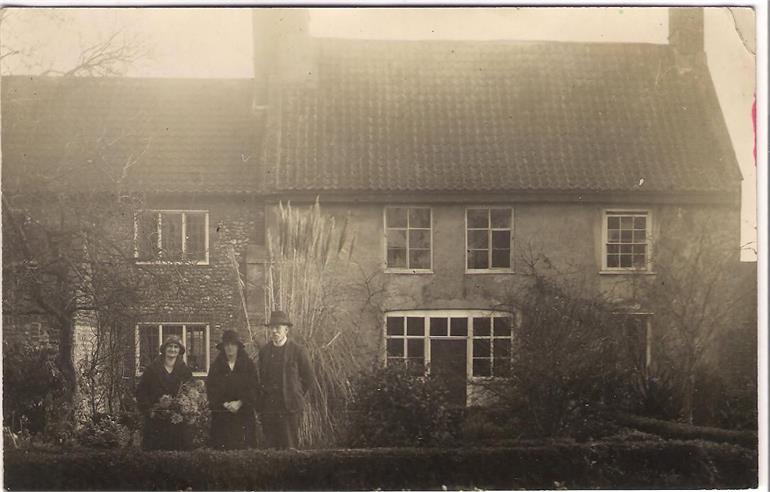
pixel 298 375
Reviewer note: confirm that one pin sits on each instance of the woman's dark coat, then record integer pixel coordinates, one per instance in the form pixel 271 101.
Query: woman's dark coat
pixel 154 383
pixel 232 430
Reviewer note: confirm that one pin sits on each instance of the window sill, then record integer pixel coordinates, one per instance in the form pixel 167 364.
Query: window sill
pixel 490 271
pixel 483 379
pixel 173 263
pixel 408 271
pixel 626 272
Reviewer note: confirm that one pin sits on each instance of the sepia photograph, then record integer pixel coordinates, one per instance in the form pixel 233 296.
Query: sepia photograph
pixel 384 248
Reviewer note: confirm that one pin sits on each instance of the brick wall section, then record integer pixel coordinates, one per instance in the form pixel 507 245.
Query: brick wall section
pixel 209 293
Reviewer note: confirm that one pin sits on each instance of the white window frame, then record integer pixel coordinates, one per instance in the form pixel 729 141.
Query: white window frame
pixel 606 213
pixel 184 213
pixel 184 325
pixel 469 314
pixel 491 269
pixel 389 269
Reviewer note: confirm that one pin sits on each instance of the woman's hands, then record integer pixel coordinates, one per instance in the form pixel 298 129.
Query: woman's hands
pixel 233 406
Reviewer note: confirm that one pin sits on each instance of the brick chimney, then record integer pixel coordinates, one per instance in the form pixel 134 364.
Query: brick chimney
pixel 685 35
pixel 282 49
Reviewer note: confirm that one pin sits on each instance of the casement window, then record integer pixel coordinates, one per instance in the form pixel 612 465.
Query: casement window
pixel 172 236
pixel 488 236
pixel 626 240
pixel 195 338
pixel 482 339
pixel 408 238
pixel 635 336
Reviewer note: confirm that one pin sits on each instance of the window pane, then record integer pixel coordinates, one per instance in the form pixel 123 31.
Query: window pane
pixel 397 257
pixel 396 238
pixel 478 218
pixel 639 249
pixel 419 258
pixel 501 258
pixel 613 248
pixel 396 361
pixel 625 249
pixel 639 261
pixel 501 239
pixel 613 261
pixel 171 236
pixel 148 344
pixel 438 327
pixel 503 327
pixel 169 330
pixel 395 325
pixel 613 222
pixel 640 222
pixel 458 327
pixel 415 326
pixel 395 217
pixel 613 236
pixel 419 217
pixel 482 347
pixel 196 236
pixel 196 348
pixel 626 236
pixel 147 236
pixel 482 327
pixel 478 239
pixel 502 348
pixel 626 222
pixel 625 261
pixel 419 239
pixel 501 219
pixel 640 236
pixel 478 259
pixel 395 347
pixel 482 367
pixel 414 347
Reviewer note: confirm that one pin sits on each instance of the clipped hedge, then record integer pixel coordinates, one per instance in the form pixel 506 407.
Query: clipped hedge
pixel 676 430
pixel 659 464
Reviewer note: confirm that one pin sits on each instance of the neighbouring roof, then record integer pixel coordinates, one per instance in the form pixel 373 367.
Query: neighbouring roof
pixel 392 116
pixel 127 134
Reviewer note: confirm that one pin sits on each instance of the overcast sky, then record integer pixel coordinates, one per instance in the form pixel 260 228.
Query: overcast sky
pixel 217 43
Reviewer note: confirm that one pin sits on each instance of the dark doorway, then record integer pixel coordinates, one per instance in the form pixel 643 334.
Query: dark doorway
pixel 448 361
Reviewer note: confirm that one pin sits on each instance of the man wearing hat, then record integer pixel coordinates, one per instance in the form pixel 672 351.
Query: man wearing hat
pixel 286 377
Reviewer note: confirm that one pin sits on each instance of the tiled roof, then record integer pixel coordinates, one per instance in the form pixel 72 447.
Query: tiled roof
pixel 395 116
pixel 153 135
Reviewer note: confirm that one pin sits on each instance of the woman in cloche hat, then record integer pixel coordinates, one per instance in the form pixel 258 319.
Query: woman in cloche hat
pixel 161 380
pixel 232 392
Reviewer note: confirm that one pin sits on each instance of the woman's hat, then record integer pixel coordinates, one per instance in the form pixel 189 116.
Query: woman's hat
pixel 229 336
pixel 279 318
pixel 175 340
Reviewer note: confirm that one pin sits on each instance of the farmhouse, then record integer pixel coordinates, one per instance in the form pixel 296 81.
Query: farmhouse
pixel 455 162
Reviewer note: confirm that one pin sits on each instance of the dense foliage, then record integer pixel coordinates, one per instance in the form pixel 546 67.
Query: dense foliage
pixel 645 464
pixel 392 406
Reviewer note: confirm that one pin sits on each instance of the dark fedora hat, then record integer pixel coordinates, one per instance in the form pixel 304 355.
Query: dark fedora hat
pixel 175 340
pixel 230 336
pixel 279 318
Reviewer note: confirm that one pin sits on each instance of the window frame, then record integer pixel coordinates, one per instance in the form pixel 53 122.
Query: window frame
pixel 640 211
pixel 469 314
pixel 137 342
pixel 389 269
pixel 490 229
pixel 184 213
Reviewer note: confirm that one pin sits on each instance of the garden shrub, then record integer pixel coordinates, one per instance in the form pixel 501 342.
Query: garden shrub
pixel 676 430
pixel 642 464
pixel 392 406
pixel 30 383
pixel 104 431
